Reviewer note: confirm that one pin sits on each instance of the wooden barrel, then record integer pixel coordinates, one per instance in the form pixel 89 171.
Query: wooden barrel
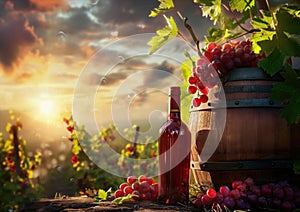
pixel 257 142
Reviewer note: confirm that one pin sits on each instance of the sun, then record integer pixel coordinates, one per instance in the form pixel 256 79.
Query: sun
pixel 47 108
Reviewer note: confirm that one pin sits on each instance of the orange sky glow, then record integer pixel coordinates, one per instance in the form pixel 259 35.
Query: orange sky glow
pixel 46 45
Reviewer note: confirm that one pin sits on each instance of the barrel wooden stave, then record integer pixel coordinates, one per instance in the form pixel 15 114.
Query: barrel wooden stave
pixel 256 133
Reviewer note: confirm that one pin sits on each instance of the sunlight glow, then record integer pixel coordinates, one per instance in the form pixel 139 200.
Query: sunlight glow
pixel 47 107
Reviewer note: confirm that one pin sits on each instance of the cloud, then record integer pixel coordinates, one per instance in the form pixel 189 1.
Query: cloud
pixel 48 5
pixel 110 79
pixel 17 37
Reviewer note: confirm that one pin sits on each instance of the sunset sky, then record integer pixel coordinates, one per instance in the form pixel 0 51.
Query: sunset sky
pixel 46 47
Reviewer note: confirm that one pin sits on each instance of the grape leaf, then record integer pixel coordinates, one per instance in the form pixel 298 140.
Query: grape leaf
pixel 263 23
pixel 265 42
pixel 296 167
pixel 241 5
pixel 295 37
pixel 288 18
pixel 103 194
pixel 273 63
pixel 163 7
pixel 205 2
pixel 210 8
pixel 186 98
pixel 163 35
pixel 289 90
pixel 128 198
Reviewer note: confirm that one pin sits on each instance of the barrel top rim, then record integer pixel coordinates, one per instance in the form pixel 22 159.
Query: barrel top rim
pixel 249 73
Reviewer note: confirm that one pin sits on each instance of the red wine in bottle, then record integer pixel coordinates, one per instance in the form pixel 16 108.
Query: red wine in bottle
pixel 174 155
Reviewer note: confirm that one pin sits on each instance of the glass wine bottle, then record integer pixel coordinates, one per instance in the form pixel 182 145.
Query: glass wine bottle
pixel 174 155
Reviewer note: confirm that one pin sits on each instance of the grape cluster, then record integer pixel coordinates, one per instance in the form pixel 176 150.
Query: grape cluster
pixel 234 54
pixel 246 194
pixel 203 77
pixel 216 63
pixel 143 188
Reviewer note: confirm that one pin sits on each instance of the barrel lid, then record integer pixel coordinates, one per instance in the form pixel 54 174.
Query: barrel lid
pixel 249 73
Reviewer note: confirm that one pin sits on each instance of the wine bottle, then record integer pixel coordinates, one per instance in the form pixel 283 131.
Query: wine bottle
pixel 174 155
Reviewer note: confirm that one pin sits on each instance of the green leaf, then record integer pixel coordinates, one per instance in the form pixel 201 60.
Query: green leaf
pixel 164 6
pixel 288 30
pixel 186 98
pixel 296 167
pixel 263 23
pixel 294 37
pixel 120 200
pixel 289 90
pixel 211 8
pixel 288 18
pixel 102 194
pixel 163 35
pixel 273 63
pixel 205 2
pixel 241 5
pixel 291 111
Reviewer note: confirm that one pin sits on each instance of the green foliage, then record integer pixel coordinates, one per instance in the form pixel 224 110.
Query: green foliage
pixel 164 6
pixel 18 185
pixel 274 32
pixel 288 92
pixel 163 35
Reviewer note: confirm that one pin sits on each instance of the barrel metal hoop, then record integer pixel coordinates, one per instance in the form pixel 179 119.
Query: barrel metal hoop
pixel 248 89
pixel 242 165
pixel 237 103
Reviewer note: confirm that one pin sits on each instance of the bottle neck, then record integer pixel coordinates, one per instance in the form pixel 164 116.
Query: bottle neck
pixel 174 107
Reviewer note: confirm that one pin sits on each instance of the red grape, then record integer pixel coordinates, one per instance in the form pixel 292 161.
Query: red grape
pixel 240 204
pixel 123 185
pixel 236 183
pixel 211 46
pixel 144 187
pixel 216 51
pixel 219 198
pixel 228 202
pixel 192 80
pixel 197 203
pixel 206 200
pixel 131 179
pixel 135 186
pixel 224 190
pixel 235 194
pixel 276 202
pixel 127 190
pixel 203 98
pixel 249 181
pixel 266 190
pixel 278 192
pixel 225 57
pixel 288 193
pixel 118 193
pixel 211 193
pixel 142 178
pixel 192 89
pixel 252 198
pixel 196 102
pixel 288 206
